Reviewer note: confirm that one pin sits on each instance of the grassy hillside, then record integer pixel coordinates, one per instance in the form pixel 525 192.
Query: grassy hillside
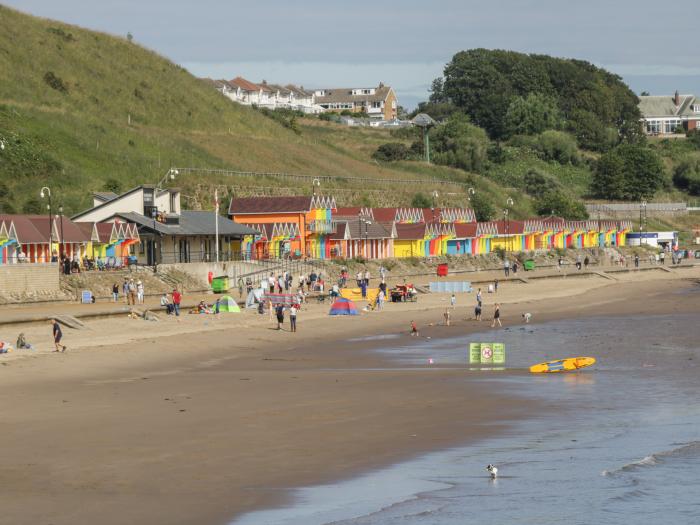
pixel 81 111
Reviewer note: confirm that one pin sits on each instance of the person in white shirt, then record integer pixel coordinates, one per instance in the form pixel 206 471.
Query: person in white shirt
pixel 139 291
pixel 293 317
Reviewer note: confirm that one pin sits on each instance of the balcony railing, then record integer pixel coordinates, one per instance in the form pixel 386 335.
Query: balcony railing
pixel 321 227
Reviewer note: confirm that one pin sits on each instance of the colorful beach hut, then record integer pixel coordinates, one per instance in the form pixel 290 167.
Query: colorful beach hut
pixel 343 307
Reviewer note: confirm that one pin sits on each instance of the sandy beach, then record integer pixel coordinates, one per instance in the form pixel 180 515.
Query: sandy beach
pixel 201 420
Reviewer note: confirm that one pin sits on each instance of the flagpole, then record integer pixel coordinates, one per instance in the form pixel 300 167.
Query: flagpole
pixel 216 221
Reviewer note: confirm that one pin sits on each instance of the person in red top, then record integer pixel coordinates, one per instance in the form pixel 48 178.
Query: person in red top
pixel 177 298
pixel 414 329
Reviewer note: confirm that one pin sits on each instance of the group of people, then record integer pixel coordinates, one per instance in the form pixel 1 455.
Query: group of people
pixel 279 315
pixel 172 302
pixel 133 291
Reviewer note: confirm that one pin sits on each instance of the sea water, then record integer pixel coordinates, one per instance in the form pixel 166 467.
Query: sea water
pixel 615 444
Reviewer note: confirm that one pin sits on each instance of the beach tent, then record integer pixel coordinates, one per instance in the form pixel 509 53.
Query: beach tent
pixel 343 307
pixel 228 304
pixel 254 297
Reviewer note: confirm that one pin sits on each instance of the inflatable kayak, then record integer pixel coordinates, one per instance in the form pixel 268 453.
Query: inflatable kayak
pixel 562 365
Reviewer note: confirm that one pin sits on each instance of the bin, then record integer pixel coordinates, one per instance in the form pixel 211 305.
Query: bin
pixel 220 284
pixel 529 265
pixel 442 270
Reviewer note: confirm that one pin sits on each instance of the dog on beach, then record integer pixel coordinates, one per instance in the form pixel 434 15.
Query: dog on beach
pixel 492 470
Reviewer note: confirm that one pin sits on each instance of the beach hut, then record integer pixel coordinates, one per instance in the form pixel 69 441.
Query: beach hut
pixel 343 307
pixel 228 304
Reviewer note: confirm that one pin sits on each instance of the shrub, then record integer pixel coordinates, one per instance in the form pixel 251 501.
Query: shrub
pixel 537 182
pixel 694 137
pixel 557 146
pixel 628 172
pixel 686 176
pixel 55 82
pixel 421 200
pixel 392 151
pixel 483 209
pixel 559 204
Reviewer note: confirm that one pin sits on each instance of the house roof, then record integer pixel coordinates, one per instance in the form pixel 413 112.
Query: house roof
pixel 248 205
pixel 71 232
pixel 510 227
pixel 355 229
pixel 245 85
pixel 345 95
pixel 664 106
pixel 28 230
pixel 465 230
pixel 300 91
pixel 276 87
pixel 410 231
pixel 105 196
pixel 191 223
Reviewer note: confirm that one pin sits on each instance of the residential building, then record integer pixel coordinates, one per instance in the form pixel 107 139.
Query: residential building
pixel 663 115
pixel 264 95
pixel 171 235
pixel 379 102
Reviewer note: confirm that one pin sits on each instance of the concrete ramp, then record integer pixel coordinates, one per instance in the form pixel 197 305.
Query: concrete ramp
pixel 604 275
pixel 70 322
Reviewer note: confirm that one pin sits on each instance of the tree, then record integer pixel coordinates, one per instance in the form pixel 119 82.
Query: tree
pixel 437 92
pixel 628 172
pixel 644 94
pixel 420 200
pixel 694 137
pixel 557 146
pixel 460 144
pixel 559 204
pixel 113 185
pixel 483 209
pixel 686 176
pixel 532 114
pixel 538 183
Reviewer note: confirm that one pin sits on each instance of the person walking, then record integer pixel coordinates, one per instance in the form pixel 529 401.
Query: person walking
pixel 271 283
pixel 57 336
pixel 132 292
pixel 578 261
pixel 495 286
pixel 367 277
pixel 358 278
pixel 636 260
pixel 177 299
pixel 125 290
pixel 115 292
pixel 477 312
pixel 506 267
pixel 515 267
pixel 478 296
pixel 453 300
pixel 414 329
pixel 293 317
pixel 446 315
pixel 496 315
pixel 380 300
pixel 586 262
pixel 662 257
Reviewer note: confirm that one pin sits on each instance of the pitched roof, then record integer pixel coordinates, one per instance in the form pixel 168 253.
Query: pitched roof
pixel 249 205
pixel 356 229
pixel 664 106
pixel 105 196
pixel 28 231
pixel 345 95
pixel 465 230
pixel 191 223
pixel 245 85
pixel 410 231
pixel 69 231
pixel 299 91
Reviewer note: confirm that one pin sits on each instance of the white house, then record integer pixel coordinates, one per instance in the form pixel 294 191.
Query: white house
pixel 663 115
pixel 264 95
pixel 170 233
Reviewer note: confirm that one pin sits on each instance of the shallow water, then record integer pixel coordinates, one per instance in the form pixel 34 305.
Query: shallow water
pixel 621 446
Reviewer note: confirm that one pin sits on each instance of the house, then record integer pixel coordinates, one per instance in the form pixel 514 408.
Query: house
pixel 379 102
pixel 171 235
pixel 663 115
pixel 303 225
pixel 270 96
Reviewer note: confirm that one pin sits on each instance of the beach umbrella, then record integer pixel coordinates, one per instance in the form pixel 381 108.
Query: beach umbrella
pixel 343 307
pixel 228 304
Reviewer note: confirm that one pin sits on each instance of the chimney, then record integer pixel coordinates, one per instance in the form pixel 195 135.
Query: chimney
pixel 265 84
pixel 677 99
pixel 381 85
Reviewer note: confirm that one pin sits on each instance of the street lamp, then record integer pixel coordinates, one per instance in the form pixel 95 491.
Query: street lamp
pixel 314 184
pixel 509 203
pixel 170 174
pixel 367 224
pixel 154 214
pixel 46 193
pixel 643 206
pixel 60 245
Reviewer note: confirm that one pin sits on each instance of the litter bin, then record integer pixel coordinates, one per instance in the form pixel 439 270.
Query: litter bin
pixel 220 284
pixel 529 265
pixel 442 270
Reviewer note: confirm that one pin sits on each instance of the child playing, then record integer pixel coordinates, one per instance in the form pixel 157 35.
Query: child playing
pixel 414 329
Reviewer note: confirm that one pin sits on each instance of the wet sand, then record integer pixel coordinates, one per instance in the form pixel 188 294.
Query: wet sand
pixel 221 418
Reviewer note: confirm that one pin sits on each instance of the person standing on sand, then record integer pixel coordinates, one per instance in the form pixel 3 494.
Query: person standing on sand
pixel 636 260
pixel 495 286
pixel 132 292
pixel 115 292
pixel 478 297
pixel 279 311
pixel 453 300
pixel 506 267
pixel 140 291
pixel 477 312
pixel 293 317
pixel 662 257
pixel 57 336
pixel 177 299
pixel 496 315
pixel 446 315
pixel 367 277
pixel 125 290
pixel 414 329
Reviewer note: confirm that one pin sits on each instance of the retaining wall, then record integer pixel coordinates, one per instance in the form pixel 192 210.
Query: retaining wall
pixel 28 279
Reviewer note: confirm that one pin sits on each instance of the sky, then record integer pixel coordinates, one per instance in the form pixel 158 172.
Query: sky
pixel 404 43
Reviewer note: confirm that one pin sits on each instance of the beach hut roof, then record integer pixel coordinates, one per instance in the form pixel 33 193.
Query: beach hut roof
pixel 410 231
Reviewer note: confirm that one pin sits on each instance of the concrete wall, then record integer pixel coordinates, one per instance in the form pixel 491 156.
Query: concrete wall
pixel 201 270
pixel 28 279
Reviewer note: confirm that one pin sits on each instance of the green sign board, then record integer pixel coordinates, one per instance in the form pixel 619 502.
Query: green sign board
pixel 487 353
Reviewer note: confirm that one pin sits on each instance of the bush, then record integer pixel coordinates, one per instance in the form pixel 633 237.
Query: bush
pixel 686 176
pixel 460 144
pixel 33 206
pixel 557 146
pixel 392 151
pixel 561 205
pixel 421 200
pixel 532 114
pixel 483 209
pixel 329 117
pixel 55 82
pixel 537 183
pixel 694 137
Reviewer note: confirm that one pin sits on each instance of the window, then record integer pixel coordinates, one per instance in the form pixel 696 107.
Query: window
pixel 376 105
pixel 671 125
pixel 653 127
pixel 365 91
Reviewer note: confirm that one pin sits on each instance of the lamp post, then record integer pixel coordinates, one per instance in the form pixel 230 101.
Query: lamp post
pixel 154 214
pixel 369 251
pixel 642 209
pixel 316 183
pixel 509 203
pixel 61 242
pixel 46 193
